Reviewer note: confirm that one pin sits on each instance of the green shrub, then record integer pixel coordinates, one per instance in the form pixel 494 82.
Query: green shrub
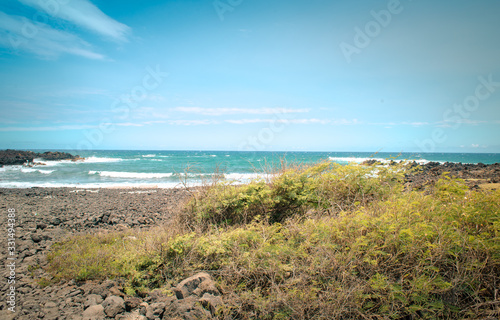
pixel 326 187
pixel 412 255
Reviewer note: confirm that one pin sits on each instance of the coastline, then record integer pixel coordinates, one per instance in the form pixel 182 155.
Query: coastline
pixel 45 216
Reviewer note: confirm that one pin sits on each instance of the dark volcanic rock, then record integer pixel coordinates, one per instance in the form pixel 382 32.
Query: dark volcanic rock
pixel 17 157
pixel 430 172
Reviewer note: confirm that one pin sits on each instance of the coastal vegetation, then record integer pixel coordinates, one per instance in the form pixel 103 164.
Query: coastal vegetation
pixel 315 242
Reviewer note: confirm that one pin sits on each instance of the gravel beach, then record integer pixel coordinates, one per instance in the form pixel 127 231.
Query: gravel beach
pixel 44 216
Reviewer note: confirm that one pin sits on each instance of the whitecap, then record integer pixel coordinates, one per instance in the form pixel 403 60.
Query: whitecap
pixel 99 159
pixel 31 170
pixel 131 175
pixel 383 161
pixel 25 185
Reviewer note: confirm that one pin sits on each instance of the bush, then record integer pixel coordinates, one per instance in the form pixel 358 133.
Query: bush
pixel 411 255
pixel 326 187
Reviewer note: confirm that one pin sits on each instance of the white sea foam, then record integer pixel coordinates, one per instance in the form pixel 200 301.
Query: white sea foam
pixel 149 156
pixel 361 160
pixel 139 192
pixel 100 160
pixel 163 185
pixel 52 163
pixel 131 175
pixel 354 159
pixel 31 170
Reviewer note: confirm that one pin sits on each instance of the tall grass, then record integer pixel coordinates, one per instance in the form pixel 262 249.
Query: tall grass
pixel 319 242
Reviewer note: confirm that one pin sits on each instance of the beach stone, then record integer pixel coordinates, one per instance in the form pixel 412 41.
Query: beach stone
pixel 207 286
pixel 95 312
pixel 187 286
pixel 113 305
pixel 55 221
pixel 92 300
pixel 155 310
pixel 31 306
pixel 36 238
pixel 51 304
pixel 116 291
pixel 132 303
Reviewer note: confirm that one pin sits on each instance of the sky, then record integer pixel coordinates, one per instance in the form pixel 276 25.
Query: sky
pixel 282 75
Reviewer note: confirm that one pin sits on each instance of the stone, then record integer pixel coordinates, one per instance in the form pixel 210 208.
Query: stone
pixel 95 312
pixel 113 305
pixel 132 303
pixel 155 310
pixel 92 300
pixel 187 286
pixel 207 286
pixel 211 302
pixel 115 291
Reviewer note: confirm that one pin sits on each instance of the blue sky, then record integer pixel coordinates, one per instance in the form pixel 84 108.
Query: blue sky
pixel 318 75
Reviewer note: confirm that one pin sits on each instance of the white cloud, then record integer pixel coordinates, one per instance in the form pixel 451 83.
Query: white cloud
pixel 124 124
pixel 287 121
pixel 191 122
pixel 84 14
pixel 19 33
pixel 228 111
pixel 154 122
pixel 51 128
pixel 269 120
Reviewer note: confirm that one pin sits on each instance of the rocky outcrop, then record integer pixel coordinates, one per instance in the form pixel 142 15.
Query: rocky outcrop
pixel 17 157
pixel 473 174
pixel 430 172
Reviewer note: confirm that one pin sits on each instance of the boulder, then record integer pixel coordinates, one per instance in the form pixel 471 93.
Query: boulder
pixel 113 305
pixel 189 285
pixel 95 312
pixel 155 310
pixel 211 302
pixel 92 300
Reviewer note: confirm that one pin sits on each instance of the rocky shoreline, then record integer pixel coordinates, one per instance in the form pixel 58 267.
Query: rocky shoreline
pixel 475 175
pixel 18 157
pixel 44 216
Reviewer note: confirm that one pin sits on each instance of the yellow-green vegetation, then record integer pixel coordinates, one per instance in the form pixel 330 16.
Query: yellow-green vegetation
pixel 324 242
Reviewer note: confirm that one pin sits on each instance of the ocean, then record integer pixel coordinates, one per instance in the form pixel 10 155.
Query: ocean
pixel 171 169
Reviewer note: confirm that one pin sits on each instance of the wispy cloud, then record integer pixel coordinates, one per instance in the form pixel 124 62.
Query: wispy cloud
pixel 230 111
pixel 192 122
pixel 288 121
pixel 83 14
pixel 267 120
pixel 48 128
pixel 452 123
pixel 124 124
pixel 19 33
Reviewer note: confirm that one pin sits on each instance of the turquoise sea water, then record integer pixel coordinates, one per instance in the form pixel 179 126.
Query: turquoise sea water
pixel 169 169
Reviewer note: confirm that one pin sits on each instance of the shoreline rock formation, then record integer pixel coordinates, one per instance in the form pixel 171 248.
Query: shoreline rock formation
pixel 19 157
